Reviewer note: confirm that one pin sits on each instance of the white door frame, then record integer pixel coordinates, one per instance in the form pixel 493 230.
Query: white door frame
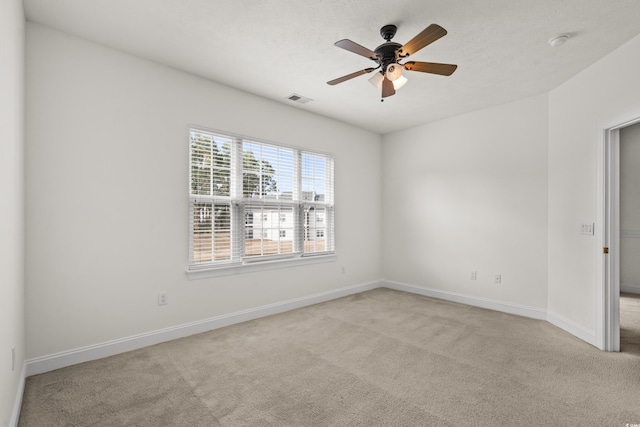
pixel 608 233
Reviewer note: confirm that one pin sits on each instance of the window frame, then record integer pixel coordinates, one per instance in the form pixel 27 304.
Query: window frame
pixel 239 205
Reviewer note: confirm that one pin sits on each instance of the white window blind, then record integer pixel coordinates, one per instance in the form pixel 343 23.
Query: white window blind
pixel 253 201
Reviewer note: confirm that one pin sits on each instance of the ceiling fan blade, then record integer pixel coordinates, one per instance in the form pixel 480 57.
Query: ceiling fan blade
pixel 431 67
pixel 430 34
pixel 356 48
pixel 387 88
pixel 349 76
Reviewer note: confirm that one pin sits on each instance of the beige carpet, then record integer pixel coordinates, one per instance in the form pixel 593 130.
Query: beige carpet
pixel 380 358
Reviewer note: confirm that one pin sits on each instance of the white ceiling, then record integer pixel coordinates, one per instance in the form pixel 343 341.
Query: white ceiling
pixel 274 48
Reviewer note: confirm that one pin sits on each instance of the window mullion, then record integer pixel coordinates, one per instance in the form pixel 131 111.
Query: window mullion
pixel 298 211
pixel 236 170
pixel 329 231
pixel 329 203
pixel 238 231
pixel 237 225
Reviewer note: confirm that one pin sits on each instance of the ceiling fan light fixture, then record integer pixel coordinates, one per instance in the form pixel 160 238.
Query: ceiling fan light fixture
pixel 376 79
pixel 394 72
pixel 398 83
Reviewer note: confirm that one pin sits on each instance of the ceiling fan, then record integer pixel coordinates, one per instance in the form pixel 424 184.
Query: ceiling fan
pixel 388 56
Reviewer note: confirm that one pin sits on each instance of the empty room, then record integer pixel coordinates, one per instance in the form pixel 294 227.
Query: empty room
pixel 296 213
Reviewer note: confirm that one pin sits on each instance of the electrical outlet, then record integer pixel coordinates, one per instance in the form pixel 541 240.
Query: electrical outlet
pixel 498 278
pixel 163 298
pixel 473 275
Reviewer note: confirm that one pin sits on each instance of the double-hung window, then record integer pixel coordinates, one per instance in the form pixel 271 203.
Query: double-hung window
pixel 252 201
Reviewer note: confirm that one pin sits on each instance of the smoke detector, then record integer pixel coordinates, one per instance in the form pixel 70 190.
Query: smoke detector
pixel 558 40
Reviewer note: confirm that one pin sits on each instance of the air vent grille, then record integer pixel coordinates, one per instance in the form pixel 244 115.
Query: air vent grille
pixel 299 98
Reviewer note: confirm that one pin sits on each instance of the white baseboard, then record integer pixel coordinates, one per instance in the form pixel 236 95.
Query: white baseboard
pixel 572 328
pixel 17 403
pixel 520 310
pixel 84 354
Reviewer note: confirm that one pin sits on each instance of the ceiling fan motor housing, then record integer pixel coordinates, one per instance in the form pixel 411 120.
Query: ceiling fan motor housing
pixel 387 54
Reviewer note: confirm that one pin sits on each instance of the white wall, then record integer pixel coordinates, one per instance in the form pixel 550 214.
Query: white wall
pixel 602 93
pixel 107 147
pixel 469 193
pixel 630 208
pixel 12 203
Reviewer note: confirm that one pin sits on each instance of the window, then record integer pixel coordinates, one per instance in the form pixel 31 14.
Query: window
pixel 253 201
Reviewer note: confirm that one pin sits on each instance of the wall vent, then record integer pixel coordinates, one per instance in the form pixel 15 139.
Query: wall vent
pixel 298 98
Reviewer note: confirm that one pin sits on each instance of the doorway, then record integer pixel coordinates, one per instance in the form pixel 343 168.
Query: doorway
pixel 609 233
pixel 630 239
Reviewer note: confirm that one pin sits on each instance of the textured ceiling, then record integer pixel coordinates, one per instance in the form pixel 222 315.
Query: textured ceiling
pixel 274 48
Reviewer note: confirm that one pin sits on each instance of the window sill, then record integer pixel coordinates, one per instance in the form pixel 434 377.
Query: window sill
pixel 258 266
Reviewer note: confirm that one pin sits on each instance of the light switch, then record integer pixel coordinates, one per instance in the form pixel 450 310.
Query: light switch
pixel 586 229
